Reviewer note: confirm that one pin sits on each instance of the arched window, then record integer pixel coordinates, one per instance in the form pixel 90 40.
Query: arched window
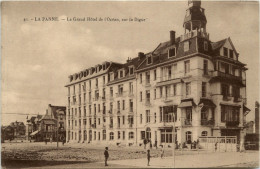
pixel 204 133
pixel 131 135
pixel 111 134
pixel 85 135
pixel 188 137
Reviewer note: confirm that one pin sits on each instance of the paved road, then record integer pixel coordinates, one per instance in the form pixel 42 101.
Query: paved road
pixel 184 161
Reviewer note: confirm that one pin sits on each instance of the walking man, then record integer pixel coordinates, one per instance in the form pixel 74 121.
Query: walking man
pixel 148 157
pixel 106 155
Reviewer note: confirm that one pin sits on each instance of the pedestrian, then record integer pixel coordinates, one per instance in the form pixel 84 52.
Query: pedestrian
pixel 216 146
pixel 148 157
pixel 106 154
pixel 162 151
pixel 145 141
pixel 155 144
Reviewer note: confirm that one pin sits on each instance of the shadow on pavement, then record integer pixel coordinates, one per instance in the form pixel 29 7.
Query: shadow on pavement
pixel 35 163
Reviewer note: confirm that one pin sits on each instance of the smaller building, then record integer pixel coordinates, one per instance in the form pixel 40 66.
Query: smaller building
pixel 7 133
pixel 19 129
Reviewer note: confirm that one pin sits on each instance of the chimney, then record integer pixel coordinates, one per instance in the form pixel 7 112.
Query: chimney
pixel 140 55
pixel 172 37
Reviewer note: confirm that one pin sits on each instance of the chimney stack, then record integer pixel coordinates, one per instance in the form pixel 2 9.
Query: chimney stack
pixel 172 37
pixel 140 55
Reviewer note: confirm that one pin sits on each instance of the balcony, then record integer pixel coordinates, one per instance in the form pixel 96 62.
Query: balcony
pixel 96 99
pixel 147 102
pixel 225 77
pixel 168 98
pixel 187 122
pixel 227 97
pixel 118 111
pixel 93 126
pixel 110 126
pixel 131 125
pixel 194 34
pixel 120 94
pixel 205 122
pixel 238 99
pixel 232 123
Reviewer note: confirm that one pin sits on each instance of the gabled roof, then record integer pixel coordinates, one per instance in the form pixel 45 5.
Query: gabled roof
pixel 217 45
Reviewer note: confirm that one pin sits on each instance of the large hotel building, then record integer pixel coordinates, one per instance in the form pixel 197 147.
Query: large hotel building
pixel 189 83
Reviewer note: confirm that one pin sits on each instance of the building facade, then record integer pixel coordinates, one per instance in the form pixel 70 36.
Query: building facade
pixel 188 86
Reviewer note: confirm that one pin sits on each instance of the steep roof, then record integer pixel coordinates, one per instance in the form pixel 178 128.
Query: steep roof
pixel 217 45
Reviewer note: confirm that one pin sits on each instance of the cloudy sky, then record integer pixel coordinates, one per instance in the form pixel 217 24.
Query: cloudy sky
pixel 38 57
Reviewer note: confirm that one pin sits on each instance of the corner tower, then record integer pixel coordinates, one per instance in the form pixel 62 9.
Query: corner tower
pixel 195 19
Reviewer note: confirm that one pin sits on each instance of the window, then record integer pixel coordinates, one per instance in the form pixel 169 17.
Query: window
pixel 121 73
pixel 111 76
pixel 142 135
pixel 131 135
pixel 98 107
pixel 123 135
pixel 111 135
pixel 147 77
pixel 154 117
pixel 123 106
pixel 167 91
pixel 225 90
pixel 161 92
pixel 111 107
pixel 155 74
pixel 225 51
pixel 131 105
pixel 204 89
pixel 147 116
pixel 169 72
pixel 141 118
pixel 170 113
pixel 131 87
pixel 118 105
pixel 154 93
pixel 147 96
pixel 131 70
pixel 235 92
pixel 172 52
pixel 96 82
pixel 205 67
pixel 141 96
pixel 123 120
pixel 229 113
pixel 188 120
pixel 118 135
pixel 231 53
pixel 186 46
pixel 95 135
pixel 149 60
pixel 205 45
pixel 188 89
pixel 166 136
pixel 187 66
pixel 141 78
pixel 111 91
pixel 188 137
pixel 98 121
pixel 204 133
pixel 174 89
pixel 104 134
pixel 120 89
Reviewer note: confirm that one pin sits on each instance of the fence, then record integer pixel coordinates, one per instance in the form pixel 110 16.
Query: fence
pixel 224 143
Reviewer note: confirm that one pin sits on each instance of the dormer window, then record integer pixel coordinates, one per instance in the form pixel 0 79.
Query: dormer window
pixel 121 73
pixel 172 52
pixel 231 54
pixel 206 46
pixel 111 76
pixel 225 51
pixel 149 60
pixel 131 70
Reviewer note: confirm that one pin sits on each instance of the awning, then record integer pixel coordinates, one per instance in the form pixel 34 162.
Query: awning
pixel 245 110
pixel 207 103
pixel 34 133
pixel 186 104
pixel 230 104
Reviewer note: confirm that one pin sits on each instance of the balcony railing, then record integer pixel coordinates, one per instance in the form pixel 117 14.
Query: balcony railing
pixel 110 126
pixel 238 99
pixel 227 97
pixel 205 122
pixel 232 123
pixel 226 75
pixel 93 126
pixel 120 94
pixel 188 122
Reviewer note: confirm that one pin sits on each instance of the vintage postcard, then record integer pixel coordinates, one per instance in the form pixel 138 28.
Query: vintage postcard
pixel 130 84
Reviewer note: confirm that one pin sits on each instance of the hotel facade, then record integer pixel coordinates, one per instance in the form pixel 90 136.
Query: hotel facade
pixel 188 84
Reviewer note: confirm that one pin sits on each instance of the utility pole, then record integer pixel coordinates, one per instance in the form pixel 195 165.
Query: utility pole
pixel 173 151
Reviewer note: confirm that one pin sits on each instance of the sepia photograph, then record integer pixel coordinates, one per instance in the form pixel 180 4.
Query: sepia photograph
pixel 130 84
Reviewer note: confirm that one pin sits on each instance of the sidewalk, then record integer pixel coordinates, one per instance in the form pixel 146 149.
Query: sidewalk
pixel 194 161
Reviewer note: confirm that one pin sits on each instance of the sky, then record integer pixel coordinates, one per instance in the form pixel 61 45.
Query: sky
pixel 38 56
